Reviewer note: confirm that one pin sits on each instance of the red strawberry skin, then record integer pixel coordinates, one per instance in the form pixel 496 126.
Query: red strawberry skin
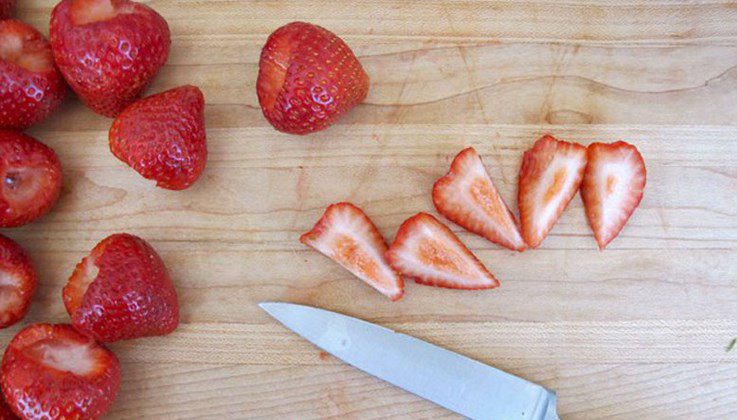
pixel 109 51
pixel 6 413
pixel 30 179
pixel 79 379
pixel 308 77
pixel 163 137
pixel 7 9
pixel 30 85
pixel 122 290
pixel 615 180
pixel 17 282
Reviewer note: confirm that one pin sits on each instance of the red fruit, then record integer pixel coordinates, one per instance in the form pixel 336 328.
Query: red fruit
pixel 6 413
pixel 550 175
pixel 308 78
pixel 427 251
pixel 163 137
pixel 109 51
pixel 122 290
pixel 30 86
pixel 347 236
pixel 612 187
pixel 7 8
pixel 467 196
pixel 54 372
pixel 30 179
pixel 17 282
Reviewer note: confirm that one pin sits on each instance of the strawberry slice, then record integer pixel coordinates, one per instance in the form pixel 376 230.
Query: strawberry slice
pixel 550 175
pixel 17 282
pixel 468 197
pixel 612 187
pixel 347 236
pixel 53 371
pixel 427 251
pixel 30 179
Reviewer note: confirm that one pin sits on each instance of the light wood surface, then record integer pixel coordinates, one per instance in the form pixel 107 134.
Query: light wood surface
pixel 637 331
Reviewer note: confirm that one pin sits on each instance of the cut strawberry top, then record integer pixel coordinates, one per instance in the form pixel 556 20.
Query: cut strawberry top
pixel 17 282
pixel 429 252
pixel 467 196
pixel 64 356
pixel 273 70
pixel 90 11
pixel 550 176
pixel 20 45
pixel 85 273
pixel 347 236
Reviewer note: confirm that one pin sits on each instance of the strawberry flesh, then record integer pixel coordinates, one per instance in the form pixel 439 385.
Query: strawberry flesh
pixel 49 371
pixel 163 137
pixel 30 179
pixel 612 188
pixel 347 236
pixel 122 290
pixel 308 77
pixel 427 251
pixel 32 87
pixel 550 175
pixel 17 282
pixel 467 196
pixel 109 51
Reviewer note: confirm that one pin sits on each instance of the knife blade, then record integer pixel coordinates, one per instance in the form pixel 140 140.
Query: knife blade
pixel 456 382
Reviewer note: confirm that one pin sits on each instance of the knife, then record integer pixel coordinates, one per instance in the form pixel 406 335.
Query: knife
pixel 460 384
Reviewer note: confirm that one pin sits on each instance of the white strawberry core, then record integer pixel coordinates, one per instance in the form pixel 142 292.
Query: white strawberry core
pixel 9 296
pixel 76 358
pixel 557 180
pixel 615 179
pixel 12 49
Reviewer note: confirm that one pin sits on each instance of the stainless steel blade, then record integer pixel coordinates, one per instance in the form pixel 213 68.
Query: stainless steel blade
pixel 455 382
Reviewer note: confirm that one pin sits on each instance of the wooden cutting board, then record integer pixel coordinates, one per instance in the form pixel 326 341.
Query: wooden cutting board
pixel 637 331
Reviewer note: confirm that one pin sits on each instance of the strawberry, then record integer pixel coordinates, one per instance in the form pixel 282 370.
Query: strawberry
pixel 6 413
pixel 54 372
pixel 467 196
pixel 17 282
pixel 122 290
pixel 31 86
pixel 612 187
pixel 163 138
pixel 347 236
pixel 109 51
pixel 550 175
pixel 7 9
pixel 308 78
pixel 427 251
pixel 30 179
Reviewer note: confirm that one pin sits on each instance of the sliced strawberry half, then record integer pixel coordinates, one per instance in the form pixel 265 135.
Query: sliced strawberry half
pixel 17 282
pixel 549 178
pixel 347 236
pixel 427 251
pixel 53 371
pixel 612 187
pixel 30 179
pixel 467 196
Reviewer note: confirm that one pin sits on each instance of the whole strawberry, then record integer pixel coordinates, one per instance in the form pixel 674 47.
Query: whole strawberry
pixel 308 78
pixel 54 372
pixel 122 290
pixel 18 282
pixel 163 137
pixel 7 8
pixel 30 179
pixel 108 50
pixel 31 87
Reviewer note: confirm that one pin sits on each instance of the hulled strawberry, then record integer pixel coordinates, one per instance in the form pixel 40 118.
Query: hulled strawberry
pixel 347 236
pixel 163 137
pixel 54 372
pixel 467 196
pixel 17 282
pixel 7 9
pixel 428 252
pixel 30 179
pixel 612 187
pixel 109 51
pixel 549 178
pixel 122 290
pixel 308 78
pixel 30 85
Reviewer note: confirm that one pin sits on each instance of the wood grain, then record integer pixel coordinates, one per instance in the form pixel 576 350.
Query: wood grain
pixel 637 331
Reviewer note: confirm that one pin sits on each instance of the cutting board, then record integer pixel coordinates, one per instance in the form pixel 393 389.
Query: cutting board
pixel 637 331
